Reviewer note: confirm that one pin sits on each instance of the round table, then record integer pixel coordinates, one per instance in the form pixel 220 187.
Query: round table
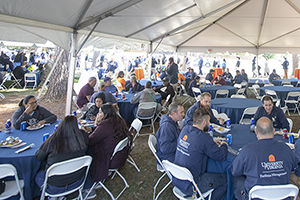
pixel 25 163
pixel 233 107
pixel 217 72
pixel 278 82
pixel 139 72
pixel 154 83
pixel 281 91
pixel 260 82
pixel 126 109
pixel 212 89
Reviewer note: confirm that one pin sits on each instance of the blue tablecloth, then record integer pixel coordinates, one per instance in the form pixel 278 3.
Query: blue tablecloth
pixel 212 89
pixel 240 137
pixel 233 107
pixel 228 82
pixel 260 82
pixel 126 109
pixel 281 91
pixel 25 163
pixel 278 82
pixel 154 83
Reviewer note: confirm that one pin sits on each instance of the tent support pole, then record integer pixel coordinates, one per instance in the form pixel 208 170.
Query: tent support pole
pixel 48 77
pixel 71 74
pixel 150 60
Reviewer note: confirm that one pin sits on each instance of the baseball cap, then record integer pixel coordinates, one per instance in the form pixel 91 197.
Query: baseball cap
pixel 107 79
pixel 166 79
pixel 102 84
pixel 211 70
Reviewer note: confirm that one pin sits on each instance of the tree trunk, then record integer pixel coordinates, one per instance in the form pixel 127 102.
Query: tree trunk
pixel 295 62
pixel 95 57
pixel 57 87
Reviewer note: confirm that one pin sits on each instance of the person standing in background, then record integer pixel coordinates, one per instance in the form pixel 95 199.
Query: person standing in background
pixel 285 66
pixel 266 70
pixel 200 64
pixel 237 65
pixel 253 66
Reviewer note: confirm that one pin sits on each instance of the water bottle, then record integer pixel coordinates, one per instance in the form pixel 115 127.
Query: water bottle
pixel 211 131
pixel 252 126
pixel 74 113
pixel 228 124
pixel 8 126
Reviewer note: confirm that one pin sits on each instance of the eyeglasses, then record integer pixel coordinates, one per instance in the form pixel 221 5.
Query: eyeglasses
pixel 31 103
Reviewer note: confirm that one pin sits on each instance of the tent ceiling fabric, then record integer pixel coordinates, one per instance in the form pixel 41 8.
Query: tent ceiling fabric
pixel 256 26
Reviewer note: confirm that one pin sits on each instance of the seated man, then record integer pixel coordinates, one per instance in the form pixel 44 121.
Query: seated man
pixel 273 76
pixel 108 96
pixel 194 147
pixel 86 92
pixel 146 95
pixel 110 87
pixel 133 84
pixel 194 83
pixel 264 162
pixel 204 102
pixel 166 92
pixel 218 80
pixel 190 74
pixel 238 77
pixel 274 113
pixel 209 76
pixel 227 74
pixel 19 73
pixel 168 132
pixel 244 75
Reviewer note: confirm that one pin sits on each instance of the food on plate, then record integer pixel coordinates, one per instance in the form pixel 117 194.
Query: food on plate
pixel 9 141
pixel 221 129
pixel 35 126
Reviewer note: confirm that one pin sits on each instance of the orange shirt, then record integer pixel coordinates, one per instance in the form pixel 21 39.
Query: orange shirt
pixel 122 81
pixel 180 77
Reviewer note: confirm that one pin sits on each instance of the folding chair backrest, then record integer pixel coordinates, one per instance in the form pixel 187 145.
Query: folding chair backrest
pixel 255 86
pixel 268 84
pixel 248 111
pixel 244 84
pixel 167 100
pixel 288 85
pixel 273 192
pixel 147 106
pixel 298 83
pixel 196 90
pixel 7 170
pixel 285 82
pixel 75 101
pixel 238 96
pixel 290 124
pixel 222 92
pixel 120 146
pixel 293 95
pixel 241 91
pixel 271 93
pixel 137 125
pixel 183 89
pixel 181 173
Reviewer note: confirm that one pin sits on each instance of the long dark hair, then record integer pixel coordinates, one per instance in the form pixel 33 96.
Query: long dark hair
pixel 67 138
pixel 120 127
pixel 120 74
pixel 25 100
pixel 101 95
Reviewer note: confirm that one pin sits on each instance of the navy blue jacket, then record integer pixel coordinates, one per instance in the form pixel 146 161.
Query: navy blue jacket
pixel 285 64
pixel 276 116
pixel 193 149
pixel 188 120
pixel 112 66
pixel 166 137
pixel 273 77
pixel 238 79
pixel 173 73
pixel 192 84
pixel 264 162
pixel 162 75
pixel 209 77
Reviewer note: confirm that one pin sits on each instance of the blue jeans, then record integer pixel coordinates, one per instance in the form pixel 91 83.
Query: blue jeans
pixel 40 178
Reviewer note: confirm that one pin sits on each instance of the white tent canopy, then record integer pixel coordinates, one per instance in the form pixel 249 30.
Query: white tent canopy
pixel 255 26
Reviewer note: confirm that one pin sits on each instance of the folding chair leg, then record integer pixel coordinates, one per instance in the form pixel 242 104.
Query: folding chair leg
pixel 105 188
pixel 154 189
pixel 152 122
pixel 137 134
pixel 131 161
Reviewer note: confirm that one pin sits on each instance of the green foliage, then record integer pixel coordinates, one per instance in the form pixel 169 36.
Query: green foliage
pixel 268 55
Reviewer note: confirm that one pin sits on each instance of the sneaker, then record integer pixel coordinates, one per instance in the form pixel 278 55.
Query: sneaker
pixel 91 195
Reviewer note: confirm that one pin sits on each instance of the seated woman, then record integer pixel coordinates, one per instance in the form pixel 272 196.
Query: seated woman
pixel 110 130
pixel 121 80
pixel 136 87
pixel 92 112
pixel 67 142
pixel 32 113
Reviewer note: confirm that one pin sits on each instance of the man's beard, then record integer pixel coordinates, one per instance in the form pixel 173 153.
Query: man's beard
pixel 205 129
pixel 206 107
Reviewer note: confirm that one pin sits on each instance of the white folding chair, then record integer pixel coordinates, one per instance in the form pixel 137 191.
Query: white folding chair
pixel 273 94
pixel 241 91
pixel 292 98
pixel 298 84
pixel 120 146
pixel 240 96
pixel 147 106
pixel 214 111
pixel 285 83
pixel 237 86
pixel 268 84
pixel 5 78
pixel 164 107
pixel 273 192
pixel 160 167
pixel 288 85
pixel 2 96
pixel 89 105
pixel 254 89
pixel 290 124
pixel 12 188
pixel 248 111
pixel 223 93
pixel 187 97
pixel 184 174
pixel 75 98
pixel 64 168
pixel 196 92
pixel 137 125
pixel 244 84
pixel 119 85
pixel 30 78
